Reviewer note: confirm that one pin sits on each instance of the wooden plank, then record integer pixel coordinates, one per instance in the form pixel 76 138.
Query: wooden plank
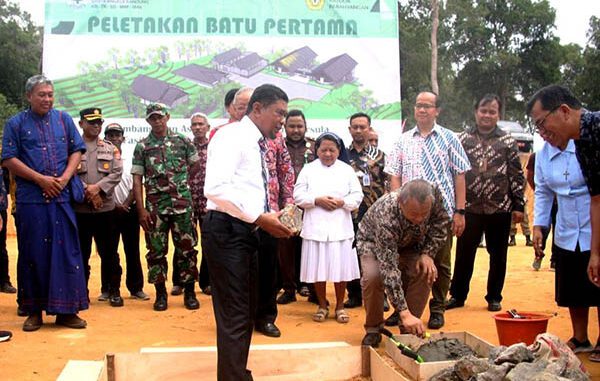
pixel 77 370
pixel 424 371
pixel 333 363
pixel 365 360
pixel 381 370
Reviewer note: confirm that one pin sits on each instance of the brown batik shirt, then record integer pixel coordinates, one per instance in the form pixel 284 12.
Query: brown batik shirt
pixel 368 165
pixel 385 234
pixel 301 153
pixel 495 181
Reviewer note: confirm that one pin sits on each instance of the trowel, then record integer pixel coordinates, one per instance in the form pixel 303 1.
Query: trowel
pixel 404 349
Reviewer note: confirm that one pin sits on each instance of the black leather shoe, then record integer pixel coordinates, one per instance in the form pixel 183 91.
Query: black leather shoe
pixel 436 320
pixel 511 241
pixel 393 319
pixel 189 300
pixel 494 306
pixel 268 329
pixel 528 241
pixel 353 302
pixel 372 339
pixel 286 298
pixel 304 291
pixel 70 321
pixel 7 288
pixel 116 301
pixel 33 322
pixel 160 304
pixel 454 303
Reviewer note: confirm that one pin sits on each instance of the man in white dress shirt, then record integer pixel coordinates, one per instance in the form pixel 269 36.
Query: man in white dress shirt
pixel 238 214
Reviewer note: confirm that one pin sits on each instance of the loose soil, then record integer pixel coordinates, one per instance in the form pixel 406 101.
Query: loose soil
pixel 41 355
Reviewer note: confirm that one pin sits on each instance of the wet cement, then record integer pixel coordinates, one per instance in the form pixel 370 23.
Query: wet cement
pixel 444 349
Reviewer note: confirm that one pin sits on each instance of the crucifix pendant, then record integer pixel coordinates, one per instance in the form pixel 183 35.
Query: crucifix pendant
pixel 483 165
pixel 566 174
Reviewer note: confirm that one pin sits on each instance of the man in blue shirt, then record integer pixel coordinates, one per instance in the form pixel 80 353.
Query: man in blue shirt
pixel 558 117
pixel 42 148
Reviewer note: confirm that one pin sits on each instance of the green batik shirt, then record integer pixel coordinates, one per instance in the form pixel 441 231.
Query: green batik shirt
pixel 164 163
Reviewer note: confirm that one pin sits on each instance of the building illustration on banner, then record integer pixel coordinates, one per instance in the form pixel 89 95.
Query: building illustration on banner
pixel 182 85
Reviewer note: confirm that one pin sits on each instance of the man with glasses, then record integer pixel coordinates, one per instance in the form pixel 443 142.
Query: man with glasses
pixel 433 153
pixel 162 159
pixel 100 171
pixel 559 117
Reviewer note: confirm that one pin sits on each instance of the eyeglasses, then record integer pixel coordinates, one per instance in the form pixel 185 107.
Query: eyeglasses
pixel 539 126
pixel 96 122
pixel 425 106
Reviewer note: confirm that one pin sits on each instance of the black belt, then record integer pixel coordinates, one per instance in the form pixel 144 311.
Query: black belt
pixel 215 213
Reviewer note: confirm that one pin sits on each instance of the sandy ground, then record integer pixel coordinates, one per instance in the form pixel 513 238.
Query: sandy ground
pixel 41 355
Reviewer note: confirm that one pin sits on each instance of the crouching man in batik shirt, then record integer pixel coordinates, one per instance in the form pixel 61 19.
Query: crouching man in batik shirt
pixel 397 241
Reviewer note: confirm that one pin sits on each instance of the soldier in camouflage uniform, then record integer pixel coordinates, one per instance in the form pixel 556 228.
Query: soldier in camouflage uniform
pixel 163 158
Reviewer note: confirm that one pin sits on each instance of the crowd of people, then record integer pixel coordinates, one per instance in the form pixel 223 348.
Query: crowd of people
pixel 380 227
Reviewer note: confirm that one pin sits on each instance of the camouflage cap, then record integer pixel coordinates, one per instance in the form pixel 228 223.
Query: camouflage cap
pixel 156 108
pixel 91 114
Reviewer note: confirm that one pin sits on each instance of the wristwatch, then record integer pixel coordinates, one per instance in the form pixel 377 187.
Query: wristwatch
pixel 459 211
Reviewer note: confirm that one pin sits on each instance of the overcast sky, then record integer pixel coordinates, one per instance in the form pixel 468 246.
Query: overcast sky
pixel 572 16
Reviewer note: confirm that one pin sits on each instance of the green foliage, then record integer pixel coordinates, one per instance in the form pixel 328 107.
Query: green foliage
pixel 6 111
pixel 21 44
pixel 587 80
pixel 507 47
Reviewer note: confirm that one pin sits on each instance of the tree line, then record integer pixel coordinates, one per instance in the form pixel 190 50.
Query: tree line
pixel 462 48
pixel 506 47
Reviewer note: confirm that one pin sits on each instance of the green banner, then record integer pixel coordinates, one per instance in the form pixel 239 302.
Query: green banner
pixel 285 18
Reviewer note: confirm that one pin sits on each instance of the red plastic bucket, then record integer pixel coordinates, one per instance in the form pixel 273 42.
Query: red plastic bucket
pixel 512 331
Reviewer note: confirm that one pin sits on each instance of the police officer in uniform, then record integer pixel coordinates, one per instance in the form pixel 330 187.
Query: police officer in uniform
pixel 162 160
pixel 100 171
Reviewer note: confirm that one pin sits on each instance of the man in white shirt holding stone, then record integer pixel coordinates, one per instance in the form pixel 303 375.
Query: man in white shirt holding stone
pixel 238 216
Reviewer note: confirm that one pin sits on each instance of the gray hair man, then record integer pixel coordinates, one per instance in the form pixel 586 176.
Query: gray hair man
pixel 397 241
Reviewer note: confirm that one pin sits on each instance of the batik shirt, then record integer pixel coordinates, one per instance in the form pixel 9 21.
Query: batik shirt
pixel 44 144
pixel 301 153
pixel 437 158
pixel 495 181
pixel 588 150
pixel 281 174
pixel 368 166
pixel 197 174
pixel 164 163
pixel 385 234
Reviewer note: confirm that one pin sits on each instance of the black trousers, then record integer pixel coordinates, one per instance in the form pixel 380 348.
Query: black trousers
pixel 268 270
pixel 101 228
pixel 127 228
pixel 4 275
pixel 353 287
pixel 290 253
pixel 496 228
pixel 232 253
pixel 203 274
